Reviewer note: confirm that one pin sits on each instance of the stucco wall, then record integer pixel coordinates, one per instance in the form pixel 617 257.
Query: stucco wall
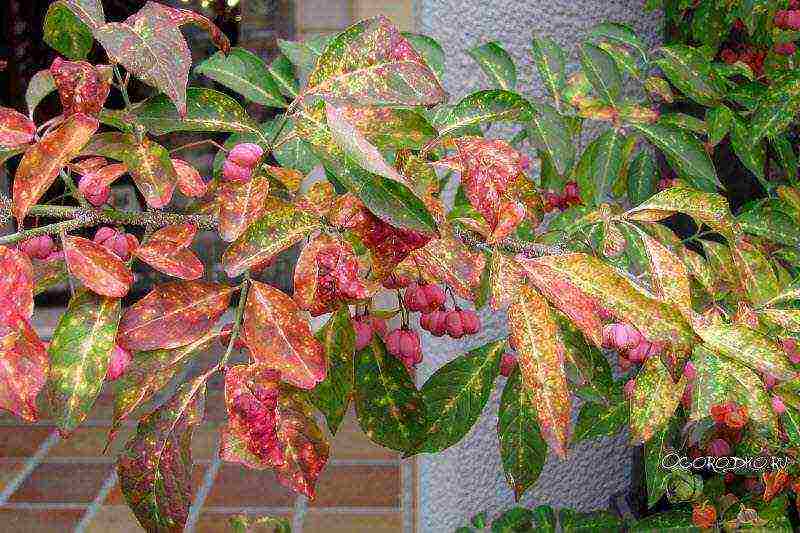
pixel 468 478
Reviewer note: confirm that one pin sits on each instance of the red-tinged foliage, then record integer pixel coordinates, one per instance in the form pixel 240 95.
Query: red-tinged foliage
pixel 15 128
pixel 327 274
pixel 16 281
pixel 240 204
pixel 279 336
pixel 167 250
pixel 41 163
pixel 101 270
pixel 82 87
pixel 95 184
pixel 190 183
pixel 23 363
pixel 172 315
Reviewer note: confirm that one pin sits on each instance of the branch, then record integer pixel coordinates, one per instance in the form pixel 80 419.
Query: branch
pixel 79 217
pixel 515 246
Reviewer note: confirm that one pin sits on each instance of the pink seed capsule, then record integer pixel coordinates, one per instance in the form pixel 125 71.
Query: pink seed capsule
pixel 233 172
pixel 363 334
pixel 120 360
pixel 245 155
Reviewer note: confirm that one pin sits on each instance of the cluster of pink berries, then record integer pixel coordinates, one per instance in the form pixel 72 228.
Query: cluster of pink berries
pixel 788 19
pixel 337 278
pixel 404 344
pixel 256 410
pixel 241 161
pixel 122 244
pixel 41 247
pixel 428 299
pixel 569 197
pixel 366 326
pixel 631 345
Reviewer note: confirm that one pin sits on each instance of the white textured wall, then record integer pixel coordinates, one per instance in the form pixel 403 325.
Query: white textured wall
pixel 468 478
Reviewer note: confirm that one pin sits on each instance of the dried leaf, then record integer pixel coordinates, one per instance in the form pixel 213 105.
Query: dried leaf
pixel 541 358
pixel 16 281
pixel 281 227
pixel 155 469
pixel 24 364
pixel 278 334
pixel 655 398
pixel 167 250
pixel 241 204
pixel 371 63
pixel 79 354
pixel 173 314
pixel 100 269
pixel 15 128
pixel 40 164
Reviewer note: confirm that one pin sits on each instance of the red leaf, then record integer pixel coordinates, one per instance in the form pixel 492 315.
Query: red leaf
pixel 167 250
pixel 24 364
pixel 40 165
pixel 450 261
pixel 241 204
pixel 190 183
pixel 173 314
pixel 326 274
pixel 251 399
pixel 15 128
pixel 279 335
pixel 185 16
pixel 16 280
pixel 97 267
pixel 82 87
pixel 489 167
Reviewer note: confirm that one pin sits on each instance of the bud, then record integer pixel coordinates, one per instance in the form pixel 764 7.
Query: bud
pixel 777 405
pixel 393 342
pixel 363 333
pixel 737 418
pixel 785 49
pixel 789 346
pixel 471 322
pixel 455 327
pixel 233 172
pixel 507 364
pixel 628 388
pixel 95 193
pixel 639 353
pixel 245 155
pixel 38 247
pixel 434 295
pixel 119 362
pixel 689 371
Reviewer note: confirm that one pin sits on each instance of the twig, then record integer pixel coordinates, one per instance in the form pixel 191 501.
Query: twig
pixel 516 246
pixel 237 324
pixel 199 143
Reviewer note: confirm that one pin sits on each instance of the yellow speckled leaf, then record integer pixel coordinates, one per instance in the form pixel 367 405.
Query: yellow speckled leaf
pixel 654 400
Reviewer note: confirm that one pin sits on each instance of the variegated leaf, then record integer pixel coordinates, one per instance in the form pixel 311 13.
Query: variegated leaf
pixel 16 281
pixel 241 204
pixel 167 250
pixel 332 395
pixel 24 364
pixel 100 269
pixel 654 400
pixel 450 261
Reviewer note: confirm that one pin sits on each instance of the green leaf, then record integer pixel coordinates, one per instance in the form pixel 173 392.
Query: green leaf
pixel 550 61
pixel 718 123
pixel 496 63
pixel 620 34
pixel 389 406
pixel 684 152
pixel 684 122
pixel 79 355
pixel 756 273
pixel 282 227
pixel 282 72
pixel 367 64
pixel 207 110
pixel 720 380
pixel 574 522
pixel 151 169
pixel 430 50
pixel 522 448
pixel 654 451
pixel 790 420
pixel 751 152
pixel 586 366
pixel 777 108
pixel 89 11
pixel 601 71
pixel 66 33
pixel 642 178
pixel 332 396
pixel 654 400
pixel 606 164
pixel 485 106
pixel 304 54
pixel 245 73
pixel 748 347
pixel 40 85
pixel 600 420
pixel 583 174
pixel 765 219
pixel 513 520
pixel 455 395
pixel 551 133
pixel 784 152
pixel 691 73
pixel 155 469
pixel 674 521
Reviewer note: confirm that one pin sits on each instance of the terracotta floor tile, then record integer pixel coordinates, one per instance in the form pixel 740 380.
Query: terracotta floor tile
pixel 87 442
pixel 115 496
pixel 39 521
pixel 239 486
pixel 351 523
pixel 350 442
pixel 116 518
pixel 64 483
pixel 220 522
pixel 21 441
pixel 358 486
pixel 8 471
